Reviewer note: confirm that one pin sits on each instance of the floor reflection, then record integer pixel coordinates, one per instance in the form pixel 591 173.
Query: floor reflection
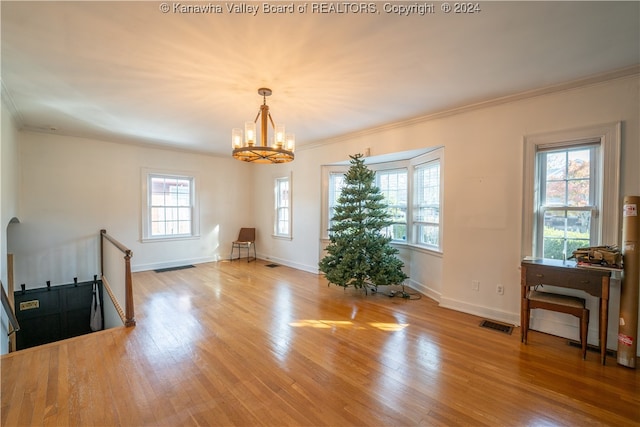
pixel 281 336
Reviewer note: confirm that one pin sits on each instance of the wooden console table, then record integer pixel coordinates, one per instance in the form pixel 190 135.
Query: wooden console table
pixel 566 274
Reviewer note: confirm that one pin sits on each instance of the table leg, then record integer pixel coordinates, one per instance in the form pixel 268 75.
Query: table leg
pixel 604 318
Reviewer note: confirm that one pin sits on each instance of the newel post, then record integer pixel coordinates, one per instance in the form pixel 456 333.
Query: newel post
pixel 130 315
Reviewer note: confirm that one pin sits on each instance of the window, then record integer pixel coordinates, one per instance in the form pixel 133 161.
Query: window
pixel 336 182
pixel 415 182
pixel 170 206
pixel 426 207
pixel 571 190
pixel 393 186
pixel 567 203
pixel 282 226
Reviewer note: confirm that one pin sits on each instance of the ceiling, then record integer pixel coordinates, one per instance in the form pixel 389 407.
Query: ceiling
pixel 127 72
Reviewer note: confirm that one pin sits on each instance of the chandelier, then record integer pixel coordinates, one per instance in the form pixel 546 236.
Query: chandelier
pixel 276 149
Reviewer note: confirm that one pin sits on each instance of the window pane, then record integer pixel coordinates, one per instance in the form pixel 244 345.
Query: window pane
pixel 184 214
pixel 556 166
pixel 171 227
pixel 429 235
pixel 336 183
pixel 157 228
pixel 556 193
pixel 171 214
pixel 426 212
pixel 184 199
pixel 579 164
pixel 184 227
pixel 157 214
pixel 393 186
pixel 282 222
pixel 578 192
pixel 565 231
pixel 171 201
pixel 157 199
pixel 568 186
pixel 397 231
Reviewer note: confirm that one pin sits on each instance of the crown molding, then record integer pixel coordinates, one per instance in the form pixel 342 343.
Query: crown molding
pixel 621 73
pixel 7 100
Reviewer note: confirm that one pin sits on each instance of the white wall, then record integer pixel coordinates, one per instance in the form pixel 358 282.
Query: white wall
pixel 483 179
pixel 73 187
pixel 8 202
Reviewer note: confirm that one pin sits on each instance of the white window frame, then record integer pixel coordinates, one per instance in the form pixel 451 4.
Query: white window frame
pixel 434 157
pixel 608 136
pixel 435 154
pixel 282 205
pixel 389 171
pixel 332 197
pixel 542 206
pixel 146 220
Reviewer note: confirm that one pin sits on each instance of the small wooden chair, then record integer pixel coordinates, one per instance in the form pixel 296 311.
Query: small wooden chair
pixel 560 303
pixel 246 239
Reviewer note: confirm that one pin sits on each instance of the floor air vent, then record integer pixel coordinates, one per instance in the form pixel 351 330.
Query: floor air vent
pixel 271 265
pixel 181 267
pixel 500 327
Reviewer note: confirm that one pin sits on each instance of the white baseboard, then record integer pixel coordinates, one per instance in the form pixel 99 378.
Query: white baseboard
pixel 169 264
pixel 481 311
pixel 303 267
pixel 425 290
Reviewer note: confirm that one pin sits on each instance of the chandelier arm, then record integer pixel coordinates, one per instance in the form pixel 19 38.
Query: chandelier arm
pixel 262 153
pixel 264 126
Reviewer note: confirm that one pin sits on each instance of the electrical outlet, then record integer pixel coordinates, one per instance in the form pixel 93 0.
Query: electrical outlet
pixel 500 289
pixel 475 285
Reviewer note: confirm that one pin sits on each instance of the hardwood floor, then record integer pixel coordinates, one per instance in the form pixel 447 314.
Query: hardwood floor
pixel 243 344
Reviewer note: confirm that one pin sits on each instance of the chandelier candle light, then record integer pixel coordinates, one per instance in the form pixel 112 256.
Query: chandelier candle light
pixel 278 149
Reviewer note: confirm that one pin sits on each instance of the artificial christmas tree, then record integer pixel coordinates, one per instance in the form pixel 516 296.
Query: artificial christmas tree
pixel 359 254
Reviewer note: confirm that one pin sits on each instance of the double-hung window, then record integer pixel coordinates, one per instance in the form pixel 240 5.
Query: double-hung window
pixel 412 189
pixel 568 202
pixel 336 182
pixel 170 206
pixel 393 186
pixel 426 206
pixel 282 223
pixel 571 190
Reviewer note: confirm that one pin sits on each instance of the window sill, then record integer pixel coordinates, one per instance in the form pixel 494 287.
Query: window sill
pixel 401 244
pixel 278 237
pixel 169 238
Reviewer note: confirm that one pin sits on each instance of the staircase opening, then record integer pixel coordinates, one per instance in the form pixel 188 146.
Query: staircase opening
pixel 54 313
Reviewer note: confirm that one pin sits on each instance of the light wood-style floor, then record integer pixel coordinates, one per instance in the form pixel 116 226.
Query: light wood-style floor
pixel 248 345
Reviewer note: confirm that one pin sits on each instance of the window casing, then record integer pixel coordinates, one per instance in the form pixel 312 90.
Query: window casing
pixel 562 206
pixel 568 202
pixel 282 207
pixel 170 209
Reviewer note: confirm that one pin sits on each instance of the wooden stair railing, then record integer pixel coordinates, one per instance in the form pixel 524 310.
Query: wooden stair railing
pixel 13 320
pixel 128 316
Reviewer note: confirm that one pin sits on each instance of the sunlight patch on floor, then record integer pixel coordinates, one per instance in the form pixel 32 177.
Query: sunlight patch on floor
pixel 329 324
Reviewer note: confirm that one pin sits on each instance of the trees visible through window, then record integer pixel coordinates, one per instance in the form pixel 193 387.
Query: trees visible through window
pixel 571 190
pixel 415 183
pixel 426 211
pixel 393 186
pixel 568 204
